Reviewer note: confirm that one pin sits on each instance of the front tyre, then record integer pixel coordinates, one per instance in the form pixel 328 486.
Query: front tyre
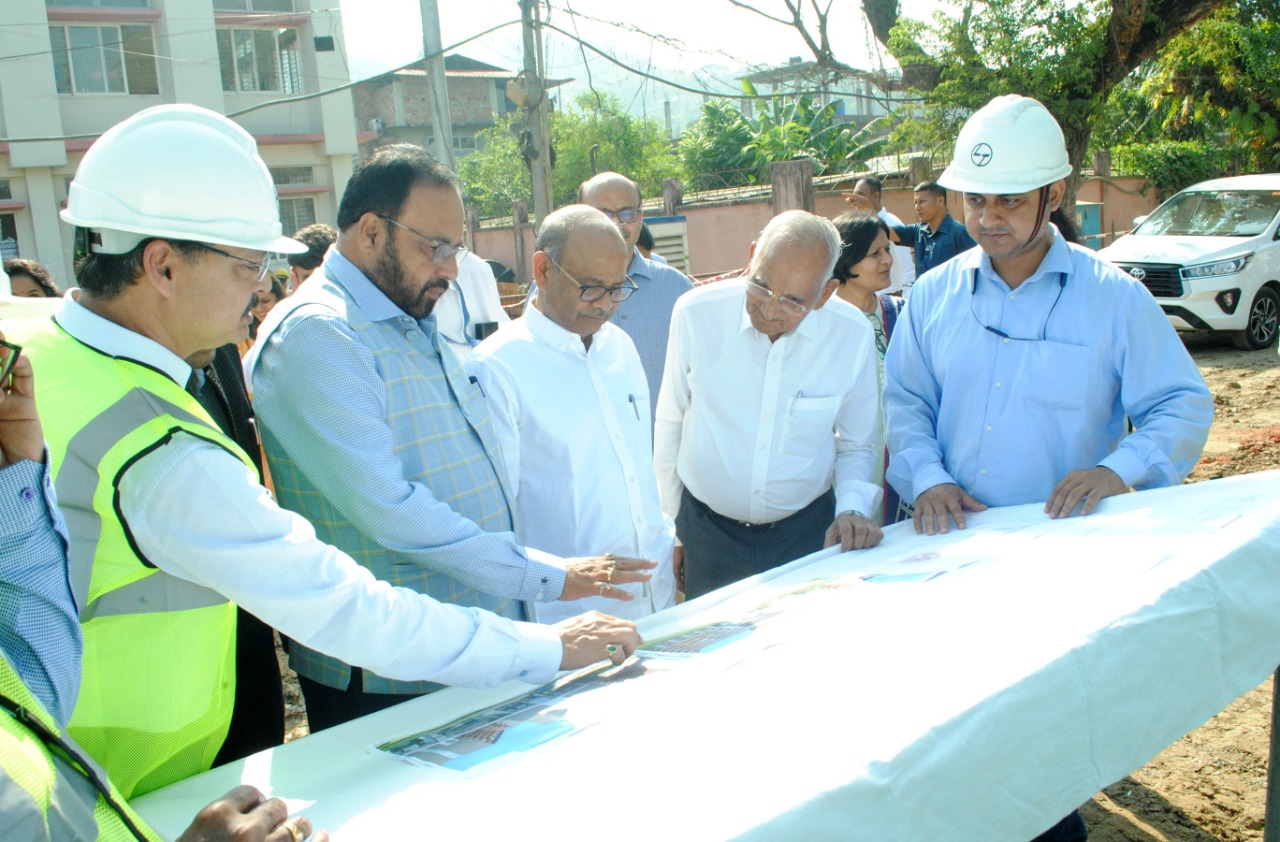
pixel 1264 322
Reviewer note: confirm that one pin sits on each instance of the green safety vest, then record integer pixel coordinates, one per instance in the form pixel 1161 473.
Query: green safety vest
pixel 159 651
pixel 53 790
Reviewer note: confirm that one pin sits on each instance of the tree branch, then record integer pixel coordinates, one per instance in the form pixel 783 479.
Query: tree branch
pixel 762 14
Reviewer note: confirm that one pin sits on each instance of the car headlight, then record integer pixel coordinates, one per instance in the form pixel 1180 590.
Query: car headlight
pixel 1217 269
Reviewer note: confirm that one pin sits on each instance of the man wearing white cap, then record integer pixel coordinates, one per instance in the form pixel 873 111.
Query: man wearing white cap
pixel 169 528
pixel 1016 366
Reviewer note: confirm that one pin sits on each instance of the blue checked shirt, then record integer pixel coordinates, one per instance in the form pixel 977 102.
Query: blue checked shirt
pixel 375 434
pixel 39 623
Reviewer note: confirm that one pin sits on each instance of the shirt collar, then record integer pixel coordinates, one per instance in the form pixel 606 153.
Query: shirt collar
pixel 639 267
pixel 551 334
pixel 372 301
pixel 117 341
pixel 1057 261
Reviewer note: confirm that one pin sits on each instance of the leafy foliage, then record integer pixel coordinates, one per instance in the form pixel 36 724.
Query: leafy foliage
pixel 1171 164
pixel 726 148
pixel 1223 76
pixel 495 176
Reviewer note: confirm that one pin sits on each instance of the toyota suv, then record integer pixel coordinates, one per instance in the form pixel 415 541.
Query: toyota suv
pixel 1211 257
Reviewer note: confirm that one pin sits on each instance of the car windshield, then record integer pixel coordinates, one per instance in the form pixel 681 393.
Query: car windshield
pixel 1214 213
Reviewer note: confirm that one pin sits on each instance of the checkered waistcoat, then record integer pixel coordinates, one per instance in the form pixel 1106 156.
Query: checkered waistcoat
pixel 450 447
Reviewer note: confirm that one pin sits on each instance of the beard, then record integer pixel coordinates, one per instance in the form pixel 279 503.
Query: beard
pixel 389 276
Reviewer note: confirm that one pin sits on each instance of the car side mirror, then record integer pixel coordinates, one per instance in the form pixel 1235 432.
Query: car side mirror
pixel 1138 220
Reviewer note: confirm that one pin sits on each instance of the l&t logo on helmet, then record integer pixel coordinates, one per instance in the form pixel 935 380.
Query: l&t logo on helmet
pixel 981 155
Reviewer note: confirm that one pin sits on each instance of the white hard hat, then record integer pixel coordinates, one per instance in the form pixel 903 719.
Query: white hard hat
pixel 180 172
pixel 1011 145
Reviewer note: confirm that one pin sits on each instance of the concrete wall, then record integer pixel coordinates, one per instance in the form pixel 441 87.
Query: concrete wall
pixel 720 236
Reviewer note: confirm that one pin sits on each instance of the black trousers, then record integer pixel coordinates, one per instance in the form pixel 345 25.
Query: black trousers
pixel 719 551
pixel 257 718
pixel 329 706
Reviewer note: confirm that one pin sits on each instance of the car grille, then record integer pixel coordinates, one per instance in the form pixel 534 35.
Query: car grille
pixel 1163 279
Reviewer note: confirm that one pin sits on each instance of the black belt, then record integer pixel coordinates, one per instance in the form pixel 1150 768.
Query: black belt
pixel 761 527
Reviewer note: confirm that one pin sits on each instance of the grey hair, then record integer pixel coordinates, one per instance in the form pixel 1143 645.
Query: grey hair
pixel 801 228
pixel 553 234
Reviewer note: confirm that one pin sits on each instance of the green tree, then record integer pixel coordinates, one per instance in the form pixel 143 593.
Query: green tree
pixel 495 175
pixel 1223 77
pixel 598 130
pixel 711 150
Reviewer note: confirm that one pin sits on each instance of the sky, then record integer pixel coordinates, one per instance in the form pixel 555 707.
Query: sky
pixel 712 42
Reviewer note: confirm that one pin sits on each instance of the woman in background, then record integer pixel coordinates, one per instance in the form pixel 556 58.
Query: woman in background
pixel 29 279
pixel 862 272
pixel 262 304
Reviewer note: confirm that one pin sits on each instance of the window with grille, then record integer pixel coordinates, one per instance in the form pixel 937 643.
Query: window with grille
pixel 292 176
pixel 297 212
pixel 259 60
pixel 104 59
pixel 253 5
pixel 6 190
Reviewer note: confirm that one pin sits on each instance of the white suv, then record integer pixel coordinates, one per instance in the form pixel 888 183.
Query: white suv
pixel 1211 257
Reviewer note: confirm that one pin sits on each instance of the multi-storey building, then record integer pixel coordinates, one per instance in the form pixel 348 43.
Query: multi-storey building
pixel 70 69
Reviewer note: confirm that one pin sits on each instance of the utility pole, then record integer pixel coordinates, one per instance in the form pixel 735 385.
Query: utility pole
pixel 536 113
pixel 437 89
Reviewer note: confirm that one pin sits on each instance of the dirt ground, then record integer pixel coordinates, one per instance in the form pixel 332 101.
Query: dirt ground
pixel 1211 784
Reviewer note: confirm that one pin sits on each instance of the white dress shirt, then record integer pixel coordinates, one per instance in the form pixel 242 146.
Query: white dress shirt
pixel 758 429
pixel 903 273
pixel 574 428
pixel 199 514
pixel 470 300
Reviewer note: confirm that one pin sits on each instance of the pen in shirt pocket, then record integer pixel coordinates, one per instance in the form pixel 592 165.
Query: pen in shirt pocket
pixel 476 382
pixel 635 406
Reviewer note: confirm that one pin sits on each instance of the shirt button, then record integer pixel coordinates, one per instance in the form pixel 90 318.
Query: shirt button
pixel 539 596
pixel 1006 340
pixel 998 384
pixel 756 492
pixel 1013 295
pixel 28 494
pixel 988 428
pixel 983 472
pixel 523 673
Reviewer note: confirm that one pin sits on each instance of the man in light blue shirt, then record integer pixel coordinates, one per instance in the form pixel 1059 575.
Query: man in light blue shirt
pixel 376 435
pixel 645 316
pixel 1018 366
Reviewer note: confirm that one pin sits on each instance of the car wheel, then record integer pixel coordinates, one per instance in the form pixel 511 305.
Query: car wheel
pixel 1264 322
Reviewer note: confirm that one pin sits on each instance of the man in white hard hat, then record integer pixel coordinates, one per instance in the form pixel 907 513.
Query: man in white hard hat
pixel 1017 366
pixel 176 217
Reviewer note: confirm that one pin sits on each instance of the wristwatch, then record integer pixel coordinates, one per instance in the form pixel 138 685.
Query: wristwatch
pixel 853 512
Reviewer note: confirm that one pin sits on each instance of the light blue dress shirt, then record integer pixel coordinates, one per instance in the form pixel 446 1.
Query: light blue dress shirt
pixel 1007 417
pixel 39 623
pixel 374 433
pixel 646 315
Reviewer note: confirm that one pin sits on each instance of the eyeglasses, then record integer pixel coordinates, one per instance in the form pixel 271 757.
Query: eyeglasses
pixel 1044 331
pixel 762 293
pixel 623 215
pixel 594 292
pixel 259 266
pixel 9 360
pixel 441 250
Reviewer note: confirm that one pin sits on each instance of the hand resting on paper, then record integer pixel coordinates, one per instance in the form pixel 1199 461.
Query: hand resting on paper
pixel 592 637
pixel 852 532
pixel 937 506
pixel 243 815
pixel 1087 487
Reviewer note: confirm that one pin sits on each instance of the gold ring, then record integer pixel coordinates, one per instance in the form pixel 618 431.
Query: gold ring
pixel 294 830
pixel 612 650
pixel 603 586
pixel 609 556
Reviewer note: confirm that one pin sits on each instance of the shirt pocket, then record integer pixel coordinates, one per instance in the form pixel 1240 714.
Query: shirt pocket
pixel 810 425
pixel 1056 376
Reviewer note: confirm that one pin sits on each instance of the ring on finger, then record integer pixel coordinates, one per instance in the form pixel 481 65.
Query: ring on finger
pixel 603 586
pixel 612 649
pixel 294 831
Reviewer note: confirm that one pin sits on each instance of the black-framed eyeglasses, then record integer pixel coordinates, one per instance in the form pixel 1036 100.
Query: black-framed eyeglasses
pixel 9 360
pixel 623 215
pixel 441 250
pixel 1044 331
pixel 762 293
pixel 594 292
pixel 261 266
